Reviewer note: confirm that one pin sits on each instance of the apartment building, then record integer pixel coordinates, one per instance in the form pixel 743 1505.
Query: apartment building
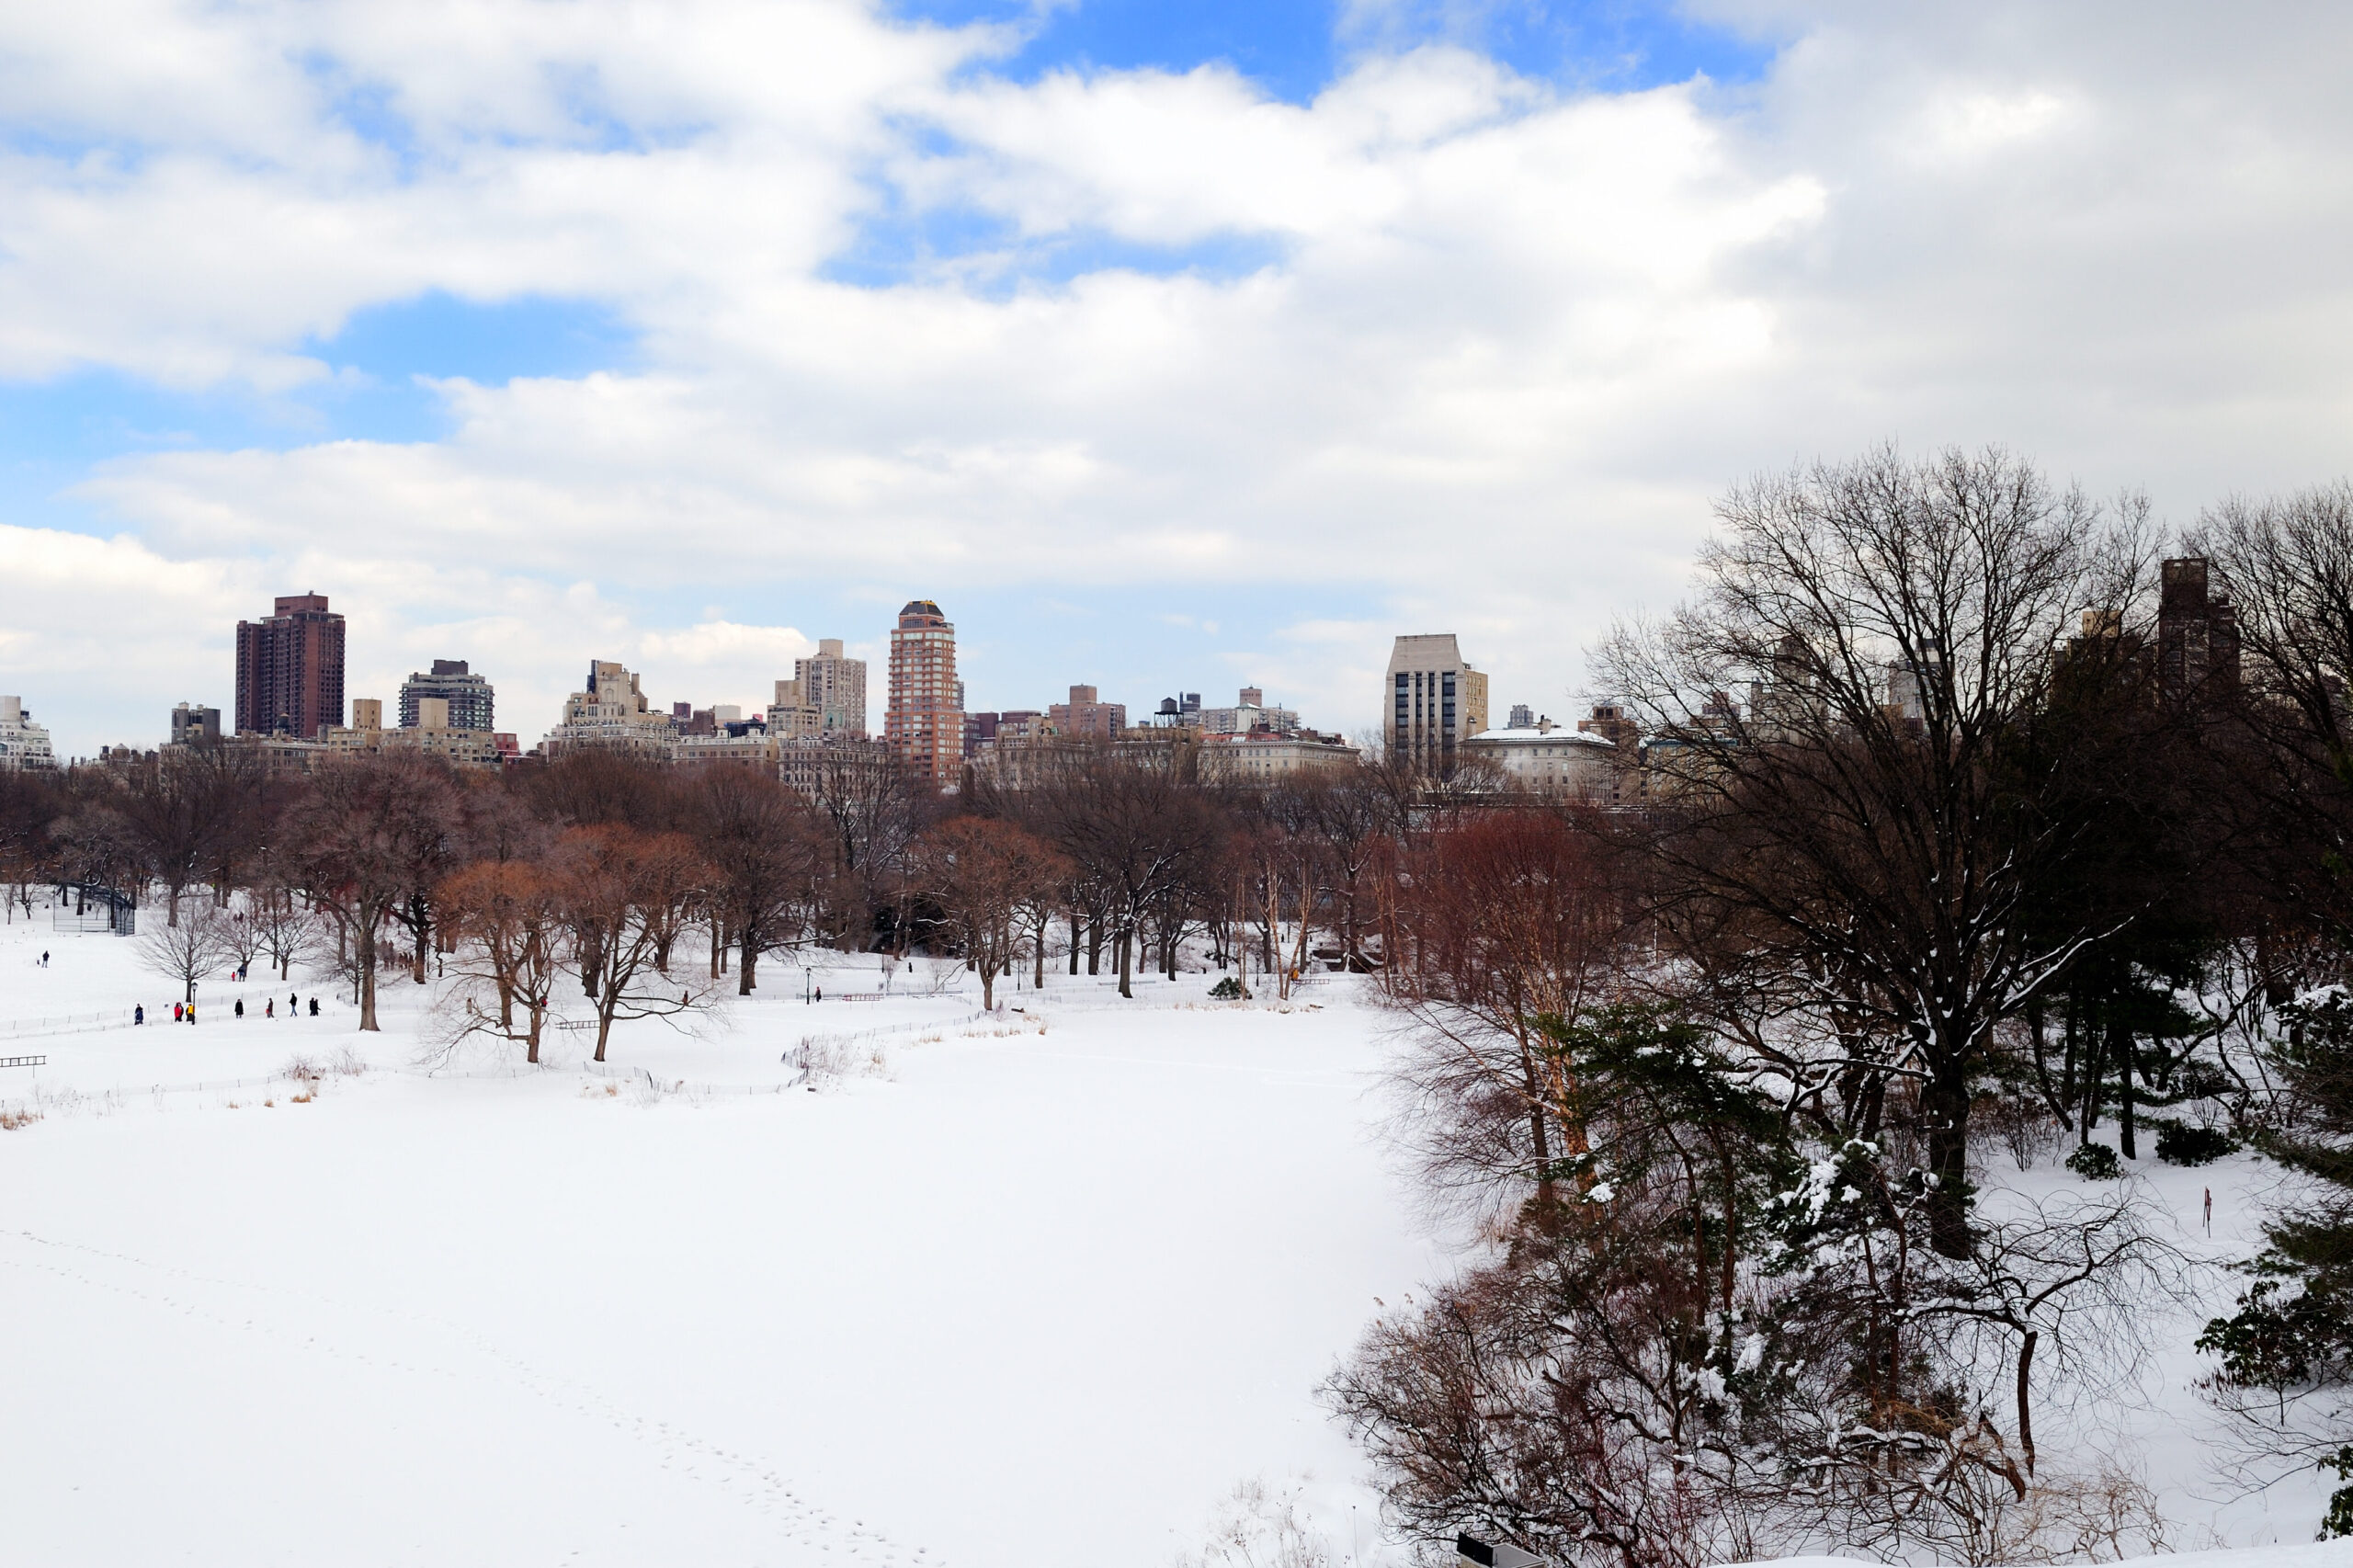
pixel 611 711
pixel 924 725
pixel 431 735
pixel 828 693
pixel 23 744
pixel 289 669
pixel 470 698
pixel 1086 717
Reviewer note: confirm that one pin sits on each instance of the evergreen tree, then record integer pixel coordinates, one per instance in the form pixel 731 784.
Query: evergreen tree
pixel 2292 1337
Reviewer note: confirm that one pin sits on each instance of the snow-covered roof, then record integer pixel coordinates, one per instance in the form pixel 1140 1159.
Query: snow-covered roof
pixel 1532 735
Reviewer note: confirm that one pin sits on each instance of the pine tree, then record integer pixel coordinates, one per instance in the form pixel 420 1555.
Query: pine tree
pixel 2292 1335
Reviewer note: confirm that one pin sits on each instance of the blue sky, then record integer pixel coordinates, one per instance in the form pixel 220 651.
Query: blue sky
pixel 1294 48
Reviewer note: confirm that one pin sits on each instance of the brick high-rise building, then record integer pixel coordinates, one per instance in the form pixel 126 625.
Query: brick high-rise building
pixel 924 726
pixel 1086 717
pixel 289 669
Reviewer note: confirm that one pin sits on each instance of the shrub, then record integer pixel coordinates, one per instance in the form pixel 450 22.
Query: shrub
pixel 1226 990
pixel 2096 1162
pixel 2179 1143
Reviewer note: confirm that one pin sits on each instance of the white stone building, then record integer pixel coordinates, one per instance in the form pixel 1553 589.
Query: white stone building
pixel 23 744
pixel 612 713
pixel 1544 756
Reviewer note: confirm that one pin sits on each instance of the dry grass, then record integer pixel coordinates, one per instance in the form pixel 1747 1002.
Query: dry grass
pixel 12 1120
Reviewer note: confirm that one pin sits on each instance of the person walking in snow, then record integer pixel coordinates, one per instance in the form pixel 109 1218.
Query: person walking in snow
pixel 270 1009
pixel 44 957
pixel 139 1014
pixel 314 1007
pixel 241 1006
pixel 177 1012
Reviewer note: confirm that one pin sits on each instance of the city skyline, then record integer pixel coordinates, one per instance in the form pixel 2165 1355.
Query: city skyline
pixel 1242 409
pixel 521 716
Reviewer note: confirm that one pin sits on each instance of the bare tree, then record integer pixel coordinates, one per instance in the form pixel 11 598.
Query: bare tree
pixel 191 811
pixel 1512 920
pixel 987 875
pixel 621 892
pixel 190 950
pixel 283 925
pixel 873 806
pixel 509 918
pixel 1137 829
pixel 1886 803
pixel 766 853
pixel 362 839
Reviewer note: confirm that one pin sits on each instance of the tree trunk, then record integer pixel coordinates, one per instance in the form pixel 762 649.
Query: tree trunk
pixel 745 979
pixel 1545 1199
pixel 1945 1103
pixel 2119 1050
pixel 367 953
pixel 1074 946
pixel 2026 1417
pixel 1095 945
pixel 1126 940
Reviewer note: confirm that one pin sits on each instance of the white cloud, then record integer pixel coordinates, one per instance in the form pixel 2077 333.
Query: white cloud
pixel 1485 352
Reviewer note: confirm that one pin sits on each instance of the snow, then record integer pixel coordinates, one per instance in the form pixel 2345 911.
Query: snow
pixel 1024 1296
pixel 1009 1294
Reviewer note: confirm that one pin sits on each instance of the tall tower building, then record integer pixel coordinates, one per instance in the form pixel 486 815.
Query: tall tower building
pixel 470 696
pixel 925 723
pixel 834 687
pixel 289 670
pixel 2198 634
pixel 1431 702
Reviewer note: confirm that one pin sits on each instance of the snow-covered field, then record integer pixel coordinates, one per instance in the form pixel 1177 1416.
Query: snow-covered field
pixel 1034 1294
pixel 1038 1289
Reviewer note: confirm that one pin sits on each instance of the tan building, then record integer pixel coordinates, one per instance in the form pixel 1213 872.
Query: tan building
pixel 754 748
pixel 817 766
pixel 1084 716
pixel 924 726
pixel 612 713
pixel 826 695
pixel 1431 702
pixel 791 715
pixel 431 734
